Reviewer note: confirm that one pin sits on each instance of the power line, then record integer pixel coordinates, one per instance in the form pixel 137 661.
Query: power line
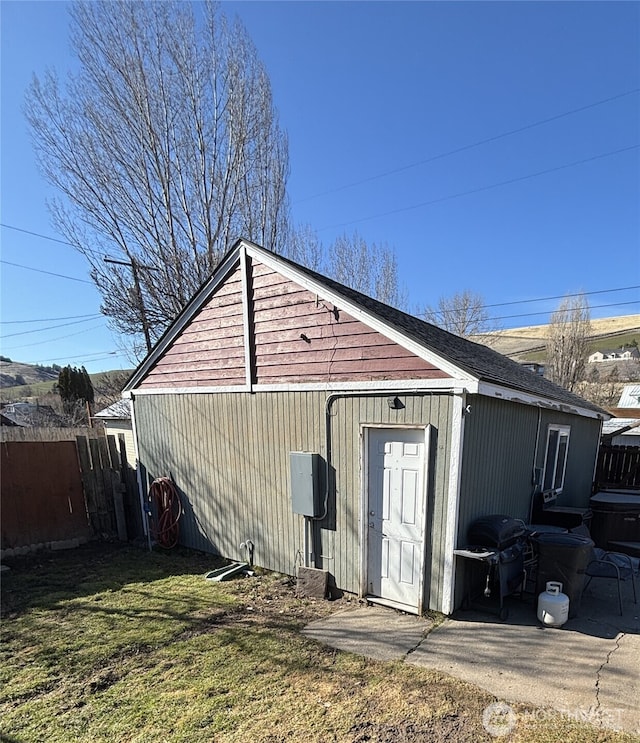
pixel 454 310
pixel 36 234
pixel 44 319
pixel 559 296
pixel 482 188
pixel 52 239
pixel 50 340
pixel 463 148
pixel 548 312
pixel 49 273
pixel 101 354
pixel 50 327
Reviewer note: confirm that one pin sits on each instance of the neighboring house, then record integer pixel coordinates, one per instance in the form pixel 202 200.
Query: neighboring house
pixel 418 431
pixel 29 415
pixel 596 356
pixel 117 422
pixel 626 353
pixel 621 432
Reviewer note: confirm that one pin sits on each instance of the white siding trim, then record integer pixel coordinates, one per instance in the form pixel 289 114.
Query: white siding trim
pixel 245 316
pixel 412 385
pixel 271 260
pixel 386 385
pixel 426 474
pixel 453 497
pixel 190 390
pixel 526 398
pixel 364 508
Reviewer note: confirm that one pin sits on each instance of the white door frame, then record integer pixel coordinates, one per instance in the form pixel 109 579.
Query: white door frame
pixel 365 429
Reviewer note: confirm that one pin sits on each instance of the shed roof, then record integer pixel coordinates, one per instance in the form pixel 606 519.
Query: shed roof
pixel 119 410
pixel 472 359
pixel 28 415
pixel 621 426
pixel 630 397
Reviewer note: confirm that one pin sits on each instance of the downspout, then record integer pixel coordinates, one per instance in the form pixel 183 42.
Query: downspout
pixel 328 446
pixel 141 491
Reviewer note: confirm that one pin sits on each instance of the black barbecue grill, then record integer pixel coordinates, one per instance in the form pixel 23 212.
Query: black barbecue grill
pixel 499 543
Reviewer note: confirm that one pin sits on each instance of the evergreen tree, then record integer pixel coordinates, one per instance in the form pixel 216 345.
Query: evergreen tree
pixel 74 386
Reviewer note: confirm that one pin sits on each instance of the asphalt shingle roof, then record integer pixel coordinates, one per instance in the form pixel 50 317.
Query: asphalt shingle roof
pixel 480 361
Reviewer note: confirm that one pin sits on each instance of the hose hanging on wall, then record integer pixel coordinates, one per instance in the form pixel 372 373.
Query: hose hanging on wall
pixel 168 509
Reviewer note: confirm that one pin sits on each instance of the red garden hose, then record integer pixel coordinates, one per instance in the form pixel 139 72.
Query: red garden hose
pixel 168 510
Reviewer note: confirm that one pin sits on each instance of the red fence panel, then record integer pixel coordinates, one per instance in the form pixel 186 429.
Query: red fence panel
pixel 41 493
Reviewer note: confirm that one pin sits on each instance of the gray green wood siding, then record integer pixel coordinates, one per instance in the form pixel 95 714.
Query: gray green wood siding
pixel 229 456
pixel 498 458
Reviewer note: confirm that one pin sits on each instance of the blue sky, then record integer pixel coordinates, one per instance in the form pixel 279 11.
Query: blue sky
pixel 374 96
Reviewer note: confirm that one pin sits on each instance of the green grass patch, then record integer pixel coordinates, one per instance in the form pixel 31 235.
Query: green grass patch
pixel 20 391
pixel 117 644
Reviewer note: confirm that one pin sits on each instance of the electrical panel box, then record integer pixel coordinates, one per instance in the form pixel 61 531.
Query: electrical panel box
pixel 305 482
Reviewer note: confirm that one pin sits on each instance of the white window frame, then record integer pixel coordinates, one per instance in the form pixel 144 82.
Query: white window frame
pixel 563 435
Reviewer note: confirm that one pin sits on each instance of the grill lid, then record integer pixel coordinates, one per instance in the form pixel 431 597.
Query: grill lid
pixel 495 531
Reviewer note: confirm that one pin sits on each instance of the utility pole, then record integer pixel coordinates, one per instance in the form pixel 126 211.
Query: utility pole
pixel 134 266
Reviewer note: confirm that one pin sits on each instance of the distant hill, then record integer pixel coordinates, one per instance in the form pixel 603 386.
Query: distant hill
pixel 19 381
pixel 528 343
pixel 14 373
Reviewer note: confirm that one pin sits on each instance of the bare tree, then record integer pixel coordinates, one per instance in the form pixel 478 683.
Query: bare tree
pixel 370 269
pixel 568 342
pixel 304 247
pixel 165 148
pixel 463 313
pixel 108 387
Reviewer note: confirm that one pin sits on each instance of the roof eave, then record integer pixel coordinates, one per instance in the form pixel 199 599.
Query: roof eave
pixel 491 389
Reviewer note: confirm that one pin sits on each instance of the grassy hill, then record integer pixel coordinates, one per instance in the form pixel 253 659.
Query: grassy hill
pixel 40 381
pixel 528 343
pixel 14 373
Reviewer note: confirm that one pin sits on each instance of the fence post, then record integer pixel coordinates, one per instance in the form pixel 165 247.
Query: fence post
pixel 95 467
pixel 117 488
pixel 86 474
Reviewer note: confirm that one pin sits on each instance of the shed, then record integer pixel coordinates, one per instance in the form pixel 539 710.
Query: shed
pixel 116 419
pixel 416 432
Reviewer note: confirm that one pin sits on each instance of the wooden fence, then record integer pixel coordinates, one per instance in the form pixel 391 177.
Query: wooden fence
pixel 47 433
pixel 618 466
pixel 54 491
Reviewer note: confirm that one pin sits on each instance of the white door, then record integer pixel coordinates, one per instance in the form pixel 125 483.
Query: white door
pixel 395 515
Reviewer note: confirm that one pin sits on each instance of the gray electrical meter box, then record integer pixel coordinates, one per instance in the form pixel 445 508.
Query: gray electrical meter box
pixel 305 482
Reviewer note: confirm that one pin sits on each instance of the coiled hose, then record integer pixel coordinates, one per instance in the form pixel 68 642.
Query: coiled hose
pixel 168 509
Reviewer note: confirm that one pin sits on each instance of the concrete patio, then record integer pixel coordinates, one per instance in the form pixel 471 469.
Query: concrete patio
pixel 588 670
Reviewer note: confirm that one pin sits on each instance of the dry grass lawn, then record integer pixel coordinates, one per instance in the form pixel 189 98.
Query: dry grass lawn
pixel 112 643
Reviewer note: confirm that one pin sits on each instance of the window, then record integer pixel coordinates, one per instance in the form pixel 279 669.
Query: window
pixel 555 459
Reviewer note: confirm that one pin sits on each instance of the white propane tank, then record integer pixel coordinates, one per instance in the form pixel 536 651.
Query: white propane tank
pixel 553 605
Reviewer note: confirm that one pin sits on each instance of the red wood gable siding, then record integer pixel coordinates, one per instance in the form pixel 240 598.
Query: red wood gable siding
pixel 210 350
pixel 339 348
